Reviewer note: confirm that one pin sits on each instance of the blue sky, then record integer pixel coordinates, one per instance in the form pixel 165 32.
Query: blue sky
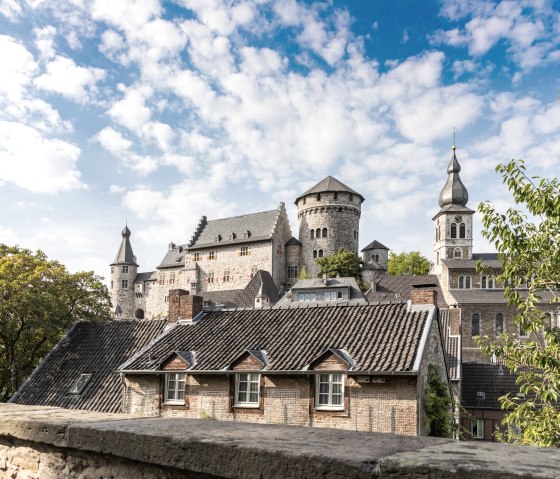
pixel 157 113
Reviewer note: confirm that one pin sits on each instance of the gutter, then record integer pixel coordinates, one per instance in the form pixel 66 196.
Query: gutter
pixel 271 373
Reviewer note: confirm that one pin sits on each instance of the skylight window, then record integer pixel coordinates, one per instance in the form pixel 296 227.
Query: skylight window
pixel 80 384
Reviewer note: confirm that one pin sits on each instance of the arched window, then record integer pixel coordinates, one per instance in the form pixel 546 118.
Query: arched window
pixel 375 257
pixel 457 253
pixel 464 282
pixel 318 233
pixel 499 324
pixel 139 314
pixel 320 253
pixel 550 320
pixel 355 234
pixel 462 230
pixel 475 324
pixel 454 230
pixel 312 234
pixel 487 282
pixel 314 253
pixel 324 232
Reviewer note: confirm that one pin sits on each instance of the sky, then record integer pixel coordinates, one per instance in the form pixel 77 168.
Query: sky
pixel 154 113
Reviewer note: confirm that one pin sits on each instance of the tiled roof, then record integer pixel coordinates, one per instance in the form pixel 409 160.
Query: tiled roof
pixel 96 348
pixel 399 287
pixel 485 256
pixel 317 284
pixel 175 256
pixel 329 184
pixel 375 245
pixel 244 298
pixel 491 296
pixel 471 264
pixel 452 346
pixel 380 338
pixel 148 276
pixel 491 379
pixel 259 225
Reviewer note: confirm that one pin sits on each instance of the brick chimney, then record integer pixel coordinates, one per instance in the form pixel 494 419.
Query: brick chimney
pixel 183 306
pixel 455 321
pixel 423 294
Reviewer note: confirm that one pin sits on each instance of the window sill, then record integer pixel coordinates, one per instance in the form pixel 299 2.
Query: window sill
pixel 246 406
pixel 174 403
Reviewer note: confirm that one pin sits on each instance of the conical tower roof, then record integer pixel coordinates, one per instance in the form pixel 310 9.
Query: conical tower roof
pixel 329 184
pixel 125 254
pixel 454 191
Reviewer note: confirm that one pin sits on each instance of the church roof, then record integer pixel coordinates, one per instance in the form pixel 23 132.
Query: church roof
pixel 375 245
pixel 454 191
pixel 237 229
pixel 329 184
pixel 125 254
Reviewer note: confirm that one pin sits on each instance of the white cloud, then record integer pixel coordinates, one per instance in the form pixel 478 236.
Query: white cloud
pixel 131 111
pixel 45 41
pixel 11 9
pixel 18 68
pixel 116 189
pixel 35 163
pixel 113 141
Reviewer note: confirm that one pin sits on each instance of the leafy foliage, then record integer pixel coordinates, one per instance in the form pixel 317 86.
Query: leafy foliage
pixel 530 255
pixel 408 263
pixel 437 405
pixel 39 300
pixel 304 273
pixel 344 263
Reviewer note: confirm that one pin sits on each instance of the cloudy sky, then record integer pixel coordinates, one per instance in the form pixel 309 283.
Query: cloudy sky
pixel 158 112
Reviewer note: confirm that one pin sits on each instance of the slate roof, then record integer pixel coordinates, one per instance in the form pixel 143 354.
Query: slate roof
pixel 244 298
pixel 452 347
pixel 470 264
pixel 375 245
pixel 148 276
pixel 329 184
pixel 379 338
pixel 454 191
pixel 491 296
pixel 175 256
pixel 293 241
pixel 124 253
pixel 260 225
pixel 317 284
pixel 491 379
pixel 97 348
pixel 391 287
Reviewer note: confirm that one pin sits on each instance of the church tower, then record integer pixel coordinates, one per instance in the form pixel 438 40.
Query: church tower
pixel 453 222
pixel 329 218
pixel 123 273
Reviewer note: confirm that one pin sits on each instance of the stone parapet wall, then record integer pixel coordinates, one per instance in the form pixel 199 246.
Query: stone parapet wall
pixel 45 443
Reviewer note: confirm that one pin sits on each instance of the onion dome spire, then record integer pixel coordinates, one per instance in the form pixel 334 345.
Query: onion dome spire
pixel 454 191
pixel 125 254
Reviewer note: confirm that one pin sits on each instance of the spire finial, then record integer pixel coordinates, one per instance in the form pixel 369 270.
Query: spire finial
pixel 453 147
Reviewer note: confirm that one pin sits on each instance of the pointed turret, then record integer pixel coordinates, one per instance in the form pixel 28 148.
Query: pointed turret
pixel 125 254
pixel 454 191
pixel 123 273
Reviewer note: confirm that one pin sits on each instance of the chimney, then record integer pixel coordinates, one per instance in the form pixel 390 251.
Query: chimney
pixel 183 306
pixel 454 321
pixel 423 294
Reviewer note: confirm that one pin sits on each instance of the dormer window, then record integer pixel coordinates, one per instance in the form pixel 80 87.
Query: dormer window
pixel 80 383
pixel 218 238
pixel 247 234
pixel 330 391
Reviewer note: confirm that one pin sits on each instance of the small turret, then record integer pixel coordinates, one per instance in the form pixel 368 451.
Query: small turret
pixel 123 273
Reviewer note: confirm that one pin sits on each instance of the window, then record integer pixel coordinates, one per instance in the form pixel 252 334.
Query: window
pixel 125 269
pixel 355 234
pixel 307 297
pixel 212 255
pixel 318 233
pixel 162 279
pixel 335 195
pixel 112 269
pixel 254 270
pixel 247 387
pixel 457 253
pixel 487 282
pixel 196 257
pixel 375 257
pixel 475 324
pixel 232 236
pixel 172 278
pixel 318 196
pixel 175 388
pixel 454 230
pixel 292 272
pixel 464 282
pixel 330 391
pixel 351 198
pixel 330 295
pixel 462 230
pixel 499 324
pixel 477 428
pixel 320 253
pixel 314 253
pixel 244 251
pixel 80 383
pixel 124 284
pixel 210 277
pixel 325 231
pixel 111 284
pixel 227 276
pixel 339 295
pixel 312 234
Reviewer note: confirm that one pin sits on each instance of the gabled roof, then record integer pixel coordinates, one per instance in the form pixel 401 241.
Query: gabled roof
pixel 390 287
pixel 293 241
pixel 329 184
pixel 125 254
pixel 96 348
pixel 260 226
pixel 375 245
pixel 379 338
pixel 174 257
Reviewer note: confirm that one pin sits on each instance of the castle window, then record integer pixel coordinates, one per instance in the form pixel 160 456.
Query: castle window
pixel 112 269
pixel 218 238
pixel 125 269
pixel 247 387
pixel 457 253
pixel 172 278
pixel 193 288
pixel 247 234
pixel 437 257
pixel 196 257
pixel 292 272
pixel 244 251
pixel 475 324
pixel 307 297
pixel 232 236
pixel 454 230
pixel 254 270
pixel 320 253
pixel 210 277
pixel 318 233
pixel 227 276
pixel 375 257
pixel 80 383
pixel 462 230
pixel 330 391
pixel 139 314
pixel 464 282
pixel 175 388
pixel 162 279
pixel 351 198
pixel 314 253
pixel 335 195
pixel 330 295
pixel 212 255
pixel 355 234
pixel 325 232
pixel 318 196
pixel 124 284
pixel 499 322
pixel 111 284
pixel 487 282
pixel 312 233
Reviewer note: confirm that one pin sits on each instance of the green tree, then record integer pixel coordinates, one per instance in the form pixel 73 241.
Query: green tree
pixel 304 274
pixel 344 263
pixel 39 300
pixel 408 263
pixel 437 405
pixel 528 244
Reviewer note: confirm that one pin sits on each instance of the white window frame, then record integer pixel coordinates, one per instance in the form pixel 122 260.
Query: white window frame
pixel 477 428
pixel 465 279
pixel 330 295
pixel 330 380
pixel 177 379
pixel 243 396
pixel 244 251
pixel 457 253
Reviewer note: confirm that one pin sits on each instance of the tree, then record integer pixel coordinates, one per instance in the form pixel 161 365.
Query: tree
pixel 437 405
pixel 408 263
pixel 344 263
pixel 529 250
pixel 39 300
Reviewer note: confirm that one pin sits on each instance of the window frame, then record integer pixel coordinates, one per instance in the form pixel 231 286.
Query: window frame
pixel 462 230
pixel 292 272
pixel 498 316
pixel 453 232
pixel 227 276
pixel 329 405
pixel 478 318
pixel 179 378
pixel 457 253
pixel 212 255
pixel 463 279
pixel 252 378
pixel 477 426
pixel 124 283
pixel 244 251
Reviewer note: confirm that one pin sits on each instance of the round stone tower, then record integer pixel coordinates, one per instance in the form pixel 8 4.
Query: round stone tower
pixel 123 273
pixel 329 219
